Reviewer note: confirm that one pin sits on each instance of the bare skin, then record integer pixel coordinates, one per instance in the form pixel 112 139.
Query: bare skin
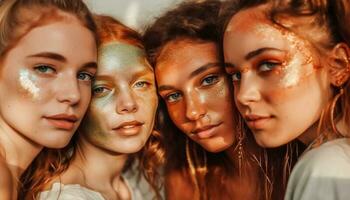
pixel 35 92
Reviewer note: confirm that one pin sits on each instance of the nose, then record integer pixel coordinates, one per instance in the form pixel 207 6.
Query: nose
pixel 69 91
pixel 247 91
pixel 194 107
pixel 126 102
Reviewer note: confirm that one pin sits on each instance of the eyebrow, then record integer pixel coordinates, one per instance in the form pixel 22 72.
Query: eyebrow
pixel 252 54
pixel 194 73
pixel 103 78
pixel 257 52
pixel 49 55
pixel 204 68
pixel 60 58
pixel 92 65
pixel 165 87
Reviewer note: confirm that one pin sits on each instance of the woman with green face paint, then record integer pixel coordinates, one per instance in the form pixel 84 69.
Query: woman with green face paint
pixel 119 122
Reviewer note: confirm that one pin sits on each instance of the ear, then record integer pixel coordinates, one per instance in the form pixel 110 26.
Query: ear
pixel 339 64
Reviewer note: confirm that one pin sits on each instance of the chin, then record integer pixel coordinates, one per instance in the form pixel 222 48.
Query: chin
pixel 57 144
pixel 268 143
pixel 217 147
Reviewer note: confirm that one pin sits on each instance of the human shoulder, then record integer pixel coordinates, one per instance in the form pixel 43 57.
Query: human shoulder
pixel 6 180
pixel 60 191
pixel 330 159
pixel 322 173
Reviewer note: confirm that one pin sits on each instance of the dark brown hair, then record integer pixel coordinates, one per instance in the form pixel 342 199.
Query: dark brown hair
pixel 197 22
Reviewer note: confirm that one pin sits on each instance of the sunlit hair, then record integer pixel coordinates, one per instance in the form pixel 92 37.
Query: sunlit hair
pixel 308 17
pixel 211 175
pixel 17 17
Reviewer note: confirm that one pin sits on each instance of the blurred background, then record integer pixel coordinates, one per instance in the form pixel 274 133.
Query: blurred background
pixel 134 13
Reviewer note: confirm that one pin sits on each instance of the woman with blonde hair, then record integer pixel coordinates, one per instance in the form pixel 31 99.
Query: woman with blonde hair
pixel 48 60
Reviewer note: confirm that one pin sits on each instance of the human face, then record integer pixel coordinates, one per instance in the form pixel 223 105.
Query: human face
pixel 195 89
pixel 45 82
pixel 276 76
pixel 121 115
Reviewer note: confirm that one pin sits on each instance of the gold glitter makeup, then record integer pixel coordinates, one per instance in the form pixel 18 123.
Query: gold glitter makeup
pixel 27 82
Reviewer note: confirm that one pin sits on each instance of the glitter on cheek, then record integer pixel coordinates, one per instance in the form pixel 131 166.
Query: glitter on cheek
pixel 27 82
pixel 291 73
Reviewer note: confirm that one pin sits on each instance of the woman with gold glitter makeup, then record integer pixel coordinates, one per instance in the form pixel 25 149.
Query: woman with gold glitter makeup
pixel 289 62
pixel 118 123
pixel 48 60
pixel 202 153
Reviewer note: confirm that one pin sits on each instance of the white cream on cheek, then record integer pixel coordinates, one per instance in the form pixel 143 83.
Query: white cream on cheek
pixel 27 82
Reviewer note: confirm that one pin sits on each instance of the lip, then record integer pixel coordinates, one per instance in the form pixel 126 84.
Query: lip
pixel 257 121
pixel 205 132
pixel 129 128
pixel 62 121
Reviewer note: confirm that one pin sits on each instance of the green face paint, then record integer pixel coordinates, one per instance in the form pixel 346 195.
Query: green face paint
pixel 123 93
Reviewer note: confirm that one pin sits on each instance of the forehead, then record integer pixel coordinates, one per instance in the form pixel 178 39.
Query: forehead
pixel 61 37
pixel 118 56
pixel 250 30
pixel 186 55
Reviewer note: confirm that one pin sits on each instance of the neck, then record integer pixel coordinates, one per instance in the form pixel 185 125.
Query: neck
pixel 101 169
pixel 17 150
pixel 312 133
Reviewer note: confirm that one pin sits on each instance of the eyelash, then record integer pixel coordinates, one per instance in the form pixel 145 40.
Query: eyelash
pixel 104 90
pixel 212 80
pixel 40 69
pixel 169 96
pixel 273 64
pixel 89 75
pixel 43 69
pixel 236 76
pixel 144 84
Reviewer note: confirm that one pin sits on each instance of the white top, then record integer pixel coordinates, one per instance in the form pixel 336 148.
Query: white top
pixel 60 191
pixel 323 173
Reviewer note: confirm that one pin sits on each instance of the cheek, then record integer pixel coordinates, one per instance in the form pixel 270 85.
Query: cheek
pixel 85 92
pixel 219 98
pixel 28 85
pixel 177 113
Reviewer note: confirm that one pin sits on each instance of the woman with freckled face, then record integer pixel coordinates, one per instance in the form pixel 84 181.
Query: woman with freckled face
pixel 196 111
pixel 119 122
pixel 289 63
pixel 45 84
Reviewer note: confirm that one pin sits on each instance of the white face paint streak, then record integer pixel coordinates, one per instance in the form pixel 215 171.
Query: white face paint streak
pixel 27 82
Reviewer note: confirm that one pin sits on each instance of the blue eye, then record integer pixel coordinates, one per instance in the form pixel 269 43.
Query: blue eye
pixel 44 69
pixel 210 80
pixel 84 76
pixel 141 84
pixel 99 90
pixel 173 97
pixel 236 76
pixel 267 66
